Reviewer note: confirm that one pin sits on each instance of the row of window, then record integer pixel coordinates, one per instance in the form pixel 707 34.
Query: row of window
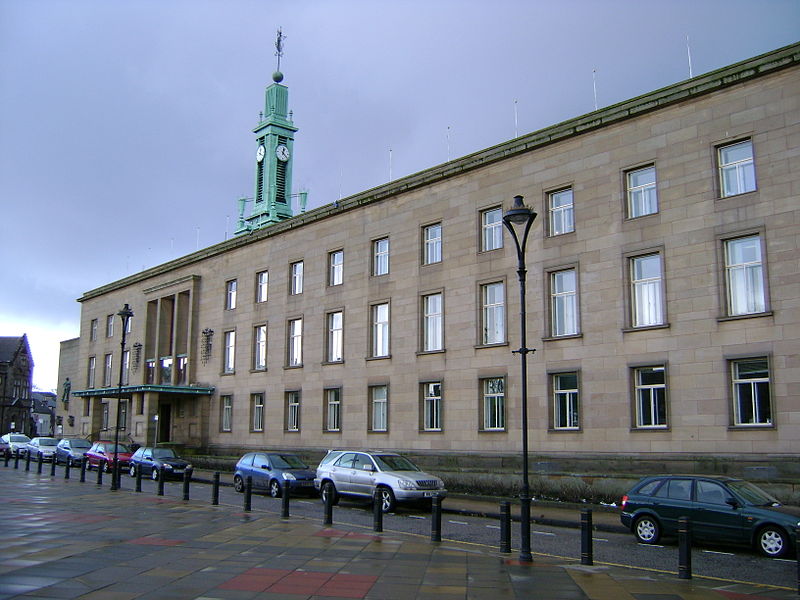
pixel 109 321
pixel 750 393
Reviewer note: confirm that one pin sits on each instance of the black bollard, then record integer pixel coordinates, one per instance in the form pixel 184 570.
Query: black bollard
pixel 187 479
pixel 66 467
pixel 377 512
pixel 138 478
pixel 505 526
pixel 99 474
pixel 797 554
pixel 16 458
pixel 161 478
pixel 52 467
pixel 116 475
pixel 83 469
pixel 436 519
pixel 684 548
pixel 6 457
pixel 328 498
pixel 285 495
pixel 215 489
pixel 38 463
pixel 248 494
pixel 28 461
pixel 587 555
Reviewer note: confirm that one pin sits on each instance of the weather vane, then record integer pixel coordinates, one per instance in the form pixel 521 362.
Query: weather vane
pixel 279 47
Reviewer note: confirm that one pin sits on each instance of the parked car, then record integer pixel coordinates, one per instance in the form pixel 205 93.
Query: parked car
pixel 270 470
pixel 362 473
pixel 101 455
pixel 17 441
pixel 150 460
pixel 71 450
pixel 5 447
pixel 721 510
pixel 42 446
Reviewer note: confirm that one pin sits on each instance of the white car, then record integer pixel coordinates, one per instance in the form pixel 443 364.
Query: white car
pixel 44 447
pixel 362 473
pixel 17 441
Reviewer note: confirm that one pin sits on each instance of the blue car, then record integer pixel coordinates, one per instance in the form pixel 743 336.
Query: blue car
pixel 270 470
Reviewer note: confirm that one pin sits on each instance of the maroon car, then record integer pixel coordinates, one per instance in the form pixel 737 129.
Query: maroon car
pixel 101 455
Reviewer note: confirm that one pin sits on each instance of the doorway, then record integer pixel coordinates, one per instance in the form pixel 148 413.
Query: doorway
pixel 164 423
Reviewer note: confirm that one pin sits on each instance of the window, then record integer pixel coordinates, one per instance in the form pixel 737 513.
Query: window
pixel 260 348
pixel 229 352
pixel 93 330
pixel 262 286
pixel 744 276
pixel 379 397
pixel 560 208
pixel 150 371
pixel 336 267
pixel 647 297
pixel 182 371
pixel 432 406
pixel 107 370
pixel 494 403
pixel 642 198
pixel 493 317
pixel 651 397
pixel 230 294
pixel 432 244
pixel 295 345
pixel 257 402
pixel 333 409
pixel 751 399
pixel 226 418
pixel 737 173
pixel 335 349
pixel 110 326
pixel 293 411
pixel 565 401
pixel 491 229
pixel 297 278
pixel 90 372
pixel 564 303
pixel 126 366
pixel 380 330
pixel 380 256
pixel 432 330
pixel 166 370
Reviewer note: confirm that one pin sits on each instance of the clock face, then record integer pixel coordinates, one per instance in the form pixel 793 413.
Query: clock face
pixel 282 152
pixel 260 153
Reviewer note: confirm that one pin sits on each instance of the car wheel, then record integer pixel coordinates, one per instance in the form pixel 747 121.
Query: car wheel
pixel 238 483
pixel 773 542
pixel 106 467
pixel 132 471
pixel 154 474
pixel 329 490
pixel 274 488
pixel 386 498
pixel 647 530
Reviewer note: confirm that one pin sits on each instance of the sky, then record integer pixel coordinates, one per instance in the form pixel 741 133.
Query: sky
pixel 126 126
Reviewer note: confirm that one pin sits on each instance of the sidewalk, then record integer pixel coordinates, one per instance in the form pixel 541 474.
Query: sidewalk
pixel 66 539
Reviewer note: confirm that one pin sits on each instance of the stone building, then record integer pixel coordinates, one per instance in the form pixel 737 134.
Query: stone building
pixel 663 288
pixel 16 377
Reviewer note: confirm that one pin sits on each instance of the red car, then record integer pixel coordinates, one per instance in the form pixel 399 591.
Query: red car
pixel 101 455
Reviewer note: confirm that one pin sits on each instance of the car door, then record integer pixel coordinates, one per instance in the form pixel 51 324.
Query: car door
pixel 672 501
pixel 341 471
pixel 362 476
pixel 260 470
pixel 714 518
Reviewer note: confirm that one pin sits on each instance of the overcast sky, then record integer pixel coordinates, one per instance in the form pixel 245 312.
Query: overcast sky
pixel 126 126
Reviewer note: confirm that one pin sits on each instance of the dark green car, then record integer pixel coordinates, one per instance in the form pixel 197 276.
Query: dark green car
pixel 721 510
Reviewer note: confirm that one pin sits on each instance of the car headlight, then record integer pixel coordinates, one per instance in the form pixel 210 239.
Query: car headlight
pixel 406 484
pixel 189 467
pixel 288 476
pixel 167 467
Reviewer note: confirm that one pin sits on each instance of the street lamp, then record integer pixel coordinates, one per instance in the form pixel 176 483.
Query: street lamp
pixel 125 314
pixel 521 216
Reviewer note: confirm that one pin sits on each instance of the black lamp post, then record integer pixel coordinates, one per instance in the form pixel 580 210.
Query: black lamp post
pixel 521 216
pixel 125 314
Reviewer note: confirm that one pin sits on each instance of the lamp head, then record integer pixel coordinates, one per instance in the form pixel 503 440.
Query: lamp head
pixel 126 312
pixel 519 214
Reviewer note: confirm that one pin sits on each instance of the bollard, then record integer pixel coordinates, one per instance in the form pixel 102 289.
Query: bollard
pixel 328 500
pixel 99 474
pixel 6 457
pixel 83 469
pixel 587 555
pixel 27 461
pixel 187 479
pixel 53 467
pixel 377 512
pixel 39 464
pixel 248 494
pixel 138 479
pixel 16 458
pixel 684 548
pixel 215 490
pixel 505 526
pixel 161 479
pixel 285 495
pixel 66 467
pixel 797 555
pixel 118 474
pixel 436 519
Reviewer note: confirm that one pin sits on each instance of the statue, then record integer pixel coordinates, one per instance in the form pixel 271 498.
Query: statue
pixel 67 388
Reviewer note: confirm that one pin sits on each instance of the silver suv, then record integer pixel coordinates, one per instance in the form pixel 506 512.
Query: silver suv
pixel 362 473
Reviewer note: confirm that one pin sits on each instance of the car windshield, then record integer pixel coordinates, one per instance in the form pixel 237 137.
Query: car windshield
pixel 164 453
pixel 393 462
pixel 48 441
pixel 752 493
pixel 287 461
pixel 19 438
pixel 80 444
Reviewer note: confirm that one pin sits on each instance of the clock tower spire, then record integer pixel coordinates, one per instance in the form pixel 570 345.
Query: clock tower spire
pixel 273 156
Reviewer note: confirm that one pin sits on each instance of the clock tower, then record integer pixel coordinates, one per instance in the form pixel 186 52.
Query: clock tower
pixel 272 193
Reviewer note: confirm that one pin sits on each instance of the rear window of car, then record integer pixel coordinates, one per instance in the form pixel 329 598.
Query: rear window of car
pixel 649 487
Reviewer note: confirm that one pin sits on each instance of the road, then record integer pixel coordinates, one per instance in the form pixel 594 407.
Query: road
pixel 725 563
